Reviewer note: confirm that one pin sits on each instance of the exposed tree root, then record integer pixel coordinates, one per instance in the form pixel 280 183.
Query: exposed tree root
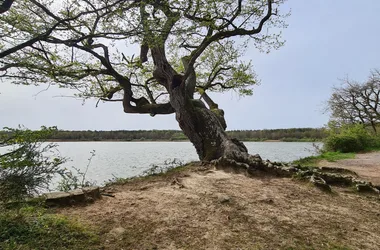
pixel 323 178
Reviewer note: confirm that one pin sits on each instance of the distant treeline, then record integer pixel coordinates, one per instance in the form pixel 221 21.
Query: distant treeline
pixel 293 134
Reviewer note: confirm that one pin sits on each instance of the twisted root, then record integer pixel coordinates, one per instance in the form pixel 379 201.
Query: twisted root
pixel 323 178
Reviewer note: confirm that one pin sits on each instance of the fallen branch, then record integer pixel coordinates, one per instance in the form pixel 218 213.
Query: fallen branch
pixel 175 181
pixel 109 195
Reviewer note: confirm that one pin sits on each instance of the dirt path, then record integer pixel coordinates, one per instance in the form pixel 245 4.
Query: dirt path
pixel 367 166
pixel 212 209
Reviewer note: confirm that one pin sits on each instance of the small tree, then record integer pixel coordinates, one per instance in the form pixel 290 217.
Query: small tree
pixel 356 102
pixel 187 49
pixel 27 164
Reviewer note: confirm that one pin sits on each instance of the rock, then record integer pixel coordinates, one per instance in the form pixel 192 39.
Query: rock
pixel 338 170
pixel 290 169
pixel 57 198
pixel 337 179
pixel 357 181
pixel 283 170
pixel 117 232
pixel 72 197
pixel 366 188
pixel 258 157
pixel 222 198
pixel 93 192
pixel 320 183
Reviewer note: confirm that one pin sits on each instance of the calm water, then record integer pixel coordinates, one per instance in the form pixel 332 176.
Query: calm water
pixel 126 159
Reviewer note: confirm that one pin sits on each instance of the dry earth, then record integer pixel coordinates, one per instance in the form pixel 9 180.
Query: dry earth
pixel 202 208
pixel 367 166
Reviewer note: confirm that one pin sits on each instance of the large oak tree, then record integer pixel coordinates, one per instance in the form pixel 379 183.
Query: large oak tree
pixel 157 57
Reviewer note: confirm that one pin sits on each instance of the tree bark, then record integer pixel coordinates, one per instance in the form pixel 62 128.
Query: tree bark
pixel 204 127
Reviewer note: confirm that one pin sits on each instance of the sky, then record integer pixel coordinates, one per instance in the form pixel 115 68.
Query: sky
pixel 326 41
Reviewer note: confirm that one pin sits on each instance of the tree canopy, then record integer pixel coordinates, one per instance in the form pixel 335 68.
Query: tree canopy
pixel 120 50
pixel 357 102
pixel 154 56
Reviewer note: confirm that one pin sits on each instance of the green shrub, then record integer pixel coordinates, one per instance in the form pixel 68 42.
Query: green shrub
pixel 343 143
pixel 376 142
pixel 27 164
pixel 349 138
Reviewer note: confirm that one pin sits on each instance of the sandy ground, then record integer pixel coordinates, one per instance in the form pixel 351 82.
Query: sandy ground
pixel 210 209
pixel 367 166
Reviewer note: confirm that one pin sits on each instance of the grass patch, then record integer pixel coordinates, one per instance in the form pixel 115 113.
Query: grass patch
pixel 373 148
pixel 168 168
pixel 35 228
pixel 328 156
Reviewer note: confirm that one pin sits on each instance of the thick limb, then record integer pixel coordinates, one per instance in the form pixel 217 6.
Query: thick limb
pixel 143 106
pixel 215 108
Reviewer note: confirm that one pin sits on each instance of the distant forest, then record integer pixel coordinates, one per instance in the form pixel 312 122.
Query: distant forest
pixel 292 134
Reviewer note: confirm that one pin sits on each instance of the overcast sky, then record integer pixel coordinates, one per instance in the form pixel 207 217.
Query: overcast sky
pixel 326 40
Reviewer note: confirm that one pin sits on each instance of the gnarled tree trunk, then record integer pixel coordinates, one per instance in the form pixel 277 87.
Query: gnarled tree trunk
pixel 205 127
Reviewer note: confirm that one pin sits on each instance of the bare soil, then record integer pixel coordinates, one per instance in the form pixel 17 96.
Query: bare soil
pixel 367 166
pixel 202 208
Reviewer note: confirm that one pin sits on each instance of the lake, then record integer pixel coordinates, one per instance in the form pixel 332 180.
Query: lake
pixel 127 159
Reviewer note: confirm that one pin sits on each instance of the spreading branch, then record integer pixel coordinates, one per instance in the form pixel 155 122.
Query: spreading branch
pixel 81 46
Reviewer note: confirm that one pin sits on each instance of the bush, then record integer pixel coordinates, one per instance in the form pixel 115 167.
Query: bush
pixel 349 138
pixel 28 164
pixel 376 142
pixel 343 143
